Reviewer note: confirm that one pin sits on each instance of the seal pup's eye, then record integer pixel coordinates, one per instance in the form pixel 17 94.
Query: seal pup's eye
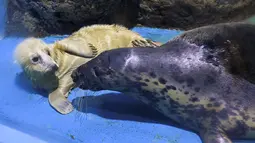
pixel 35 59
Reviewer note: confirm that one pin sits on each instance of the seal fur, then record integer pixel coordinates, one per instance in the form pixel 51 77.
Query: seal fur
pixel 49 66
pixel 202 79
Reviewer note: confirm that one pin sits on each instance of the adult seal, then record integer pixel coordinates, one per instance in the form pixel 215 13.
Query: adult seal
pixel 202 79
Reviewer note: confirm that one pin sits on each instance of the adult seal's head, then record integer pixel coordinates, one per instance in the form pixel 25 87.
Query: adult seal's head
pixel 202 79
pixel 109 70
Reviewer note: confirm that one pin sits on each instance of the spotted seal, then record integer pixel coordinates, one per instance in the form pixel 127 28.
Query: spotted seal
pixel 202 79
pixel 49 66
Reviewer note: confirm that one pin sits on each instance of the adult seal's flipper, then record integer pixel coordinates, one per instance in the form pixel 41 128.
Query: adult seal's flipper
pixel 60 103
pixel 78 47
pixel 214 136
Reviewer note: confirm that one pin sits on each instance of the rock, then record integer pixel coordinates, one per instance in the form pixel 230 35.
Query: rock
pixel 46 17
pixel 188 14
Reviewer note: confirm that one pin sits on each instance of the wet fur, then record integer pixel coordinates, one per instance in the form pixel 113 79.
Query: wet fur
pixel 202 79
pixel 97 37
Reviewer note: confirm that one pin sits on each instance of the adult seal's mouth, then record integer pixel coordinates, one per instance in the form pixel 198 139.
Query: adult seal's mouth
pixel 88 76
pixel 76 77
pixel 110 70
pixel 82 79
pixel 188 79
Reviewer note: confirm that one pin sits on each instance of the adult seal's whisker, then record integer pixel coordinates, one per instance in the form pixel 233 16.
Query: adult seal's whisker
pixel 195 79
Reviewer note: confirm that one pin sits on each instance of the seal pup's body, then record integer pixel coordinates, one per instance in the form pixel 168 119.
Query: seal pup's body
pixel 200 79
pixel 49 66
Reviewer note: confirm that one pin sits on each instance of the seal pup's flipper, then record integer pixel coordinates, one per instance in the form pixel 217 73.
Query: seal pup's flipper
pixel 145 43
pixel 78 47
pixel 214 135
pixel 60 103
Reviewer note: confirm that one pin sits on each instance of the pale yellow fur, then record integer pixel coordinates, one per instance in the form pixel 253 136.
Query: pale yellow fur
pixel 97 37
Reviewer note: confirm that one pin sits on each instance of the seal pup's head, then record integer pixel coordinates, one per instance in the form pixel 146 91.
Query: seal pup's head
pixel 34 57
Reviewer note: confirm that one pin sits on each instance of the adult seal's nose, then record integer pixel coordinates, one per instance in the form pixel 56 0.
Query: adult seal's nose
pixel 76 77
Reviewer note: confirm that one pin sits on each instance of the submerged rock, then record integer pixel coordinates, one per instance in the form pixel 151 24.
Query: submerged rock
pixel 45 17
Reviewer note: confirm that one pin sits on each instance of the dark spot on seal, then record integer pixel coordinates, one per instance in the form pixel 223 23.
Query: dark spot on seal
pixel 216 104
pixel 152 74
pixel 245 117
pixel 223 114
pixel 162 80
pixel 156 83
pixel 170 87
pixel 190 81
pixel 212 99
pixel 147 80
pixel 168 96
pixel 137 78
pixel 197 89
pixel 143 84
pixel 186 92
pixel 212 59
pixel 209 105
pixel 209 80
pixel 163 91
pixel 177 99
pixel 194 99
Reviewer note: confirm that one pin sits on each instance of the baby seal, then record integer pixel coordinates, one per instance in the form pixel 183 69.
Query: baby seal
pixel 49 66
pixel 202 79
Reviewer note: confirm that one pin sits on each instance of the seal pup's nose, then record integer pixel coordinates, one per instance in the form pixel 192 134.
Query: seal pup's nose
pixel 54 67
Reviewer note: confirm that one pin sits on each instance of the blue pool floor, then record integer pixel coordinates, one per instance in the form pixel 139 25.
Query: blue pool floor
pixel 99 117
